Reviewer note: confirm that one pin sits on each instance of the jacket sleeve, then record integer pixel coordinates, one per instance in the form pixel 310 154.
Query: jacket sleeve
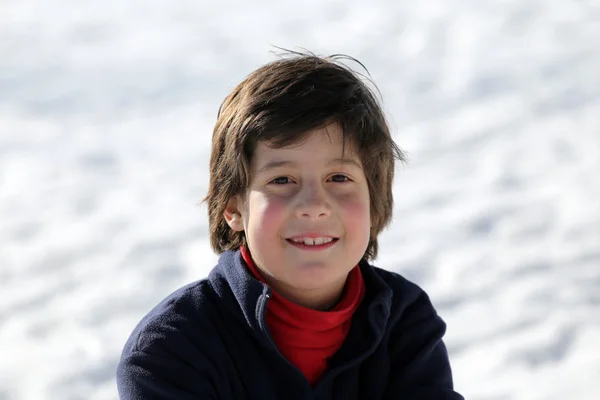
pixel 420 368
pixel 155 376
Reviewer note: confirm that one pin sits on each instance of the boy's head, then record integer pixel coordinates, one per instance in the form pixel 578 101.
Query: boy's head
pixel 301 147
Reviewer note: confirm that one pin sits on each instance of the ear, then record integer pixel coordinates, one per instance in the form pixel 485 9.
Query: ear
pixel 232 215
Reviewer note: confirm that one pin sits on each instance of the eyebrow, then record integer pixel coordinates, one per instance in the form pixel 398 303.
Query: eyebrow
pixel 285 163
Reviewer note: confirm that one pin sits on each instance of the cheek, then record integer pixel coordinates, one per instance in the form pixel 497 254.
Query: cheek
pixel 265 214
pixel 357 213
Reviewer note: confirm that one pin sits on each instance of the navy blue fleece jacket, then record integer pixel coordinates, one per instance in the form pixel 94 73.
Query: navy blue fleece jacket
pixel 209 340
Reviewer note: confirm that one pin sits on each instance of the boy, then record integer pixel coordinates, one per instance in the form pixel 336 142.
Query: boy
pixel 300 187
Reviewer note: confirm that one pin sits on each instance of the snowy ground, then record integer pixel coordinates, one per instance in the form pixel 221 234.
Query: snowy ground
pixel 106 111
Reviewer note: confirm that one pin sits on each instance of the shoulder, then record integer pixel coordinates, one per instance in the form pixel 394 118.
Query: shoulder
pixel 174 349
pixel 419 358
pixel 402 289
pixel 410 304
pixel 170 323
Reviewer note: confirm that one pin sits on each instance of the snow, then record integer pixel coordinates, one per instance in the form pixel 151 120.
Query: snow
pixel 106 112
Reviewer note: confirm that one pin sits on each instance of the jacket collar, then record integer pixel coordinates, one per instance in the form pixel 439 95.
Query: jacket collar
pixel 247 298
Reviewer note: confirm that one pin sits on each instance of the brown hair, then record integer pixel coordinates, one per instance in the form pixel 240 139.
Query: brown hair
pixel 279 103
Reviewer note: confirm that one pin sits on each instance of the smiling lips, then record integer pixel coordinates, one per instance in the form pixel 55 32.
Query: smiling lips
pixel 312 242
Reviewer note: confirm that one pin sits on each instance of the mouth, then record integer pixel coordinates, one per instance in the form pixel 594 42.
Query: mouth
pixel 313 243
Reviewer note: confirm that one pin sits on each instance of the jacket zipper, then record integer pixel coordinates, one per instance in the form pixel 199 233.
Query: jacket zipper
pixel 266 331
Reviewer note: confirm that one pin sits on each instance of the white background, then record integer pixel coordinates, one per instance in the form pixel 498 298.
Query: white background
pixel 106 114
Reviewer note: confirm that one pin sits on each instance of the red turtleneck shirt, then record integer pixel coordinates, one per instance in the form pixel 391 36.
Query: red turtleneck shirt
pixel 307 337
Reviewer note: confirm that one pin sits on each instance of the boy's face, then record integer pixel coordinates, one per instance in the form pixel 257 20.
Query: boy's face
pixel 306 216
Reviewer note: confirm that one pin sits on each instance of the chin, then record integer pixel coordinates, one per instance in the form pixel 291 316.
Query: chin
pixel 316 274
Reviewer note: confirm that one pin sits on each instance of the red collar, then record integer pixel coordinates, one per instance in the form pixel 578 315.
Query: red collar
pixel 307 337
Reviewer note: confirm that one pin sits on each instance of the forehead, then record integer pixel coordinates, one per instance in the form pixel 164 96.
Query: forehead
pixel 316 146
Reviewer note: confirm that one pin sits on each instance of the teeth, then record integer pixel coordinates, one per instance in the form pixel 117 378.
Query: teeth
pixel 312 241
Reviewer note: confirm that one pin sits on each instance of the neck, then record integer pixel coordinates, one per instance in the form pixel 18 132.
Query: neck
pixel 322 299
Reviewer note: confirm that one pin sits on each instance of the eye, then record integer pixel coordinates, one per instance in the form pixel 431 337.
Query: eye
pixel 281 180
pixel 340 178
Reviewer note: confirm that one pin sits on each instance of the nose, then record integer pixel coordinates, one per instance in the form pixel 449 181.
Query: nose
pixel 313 203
